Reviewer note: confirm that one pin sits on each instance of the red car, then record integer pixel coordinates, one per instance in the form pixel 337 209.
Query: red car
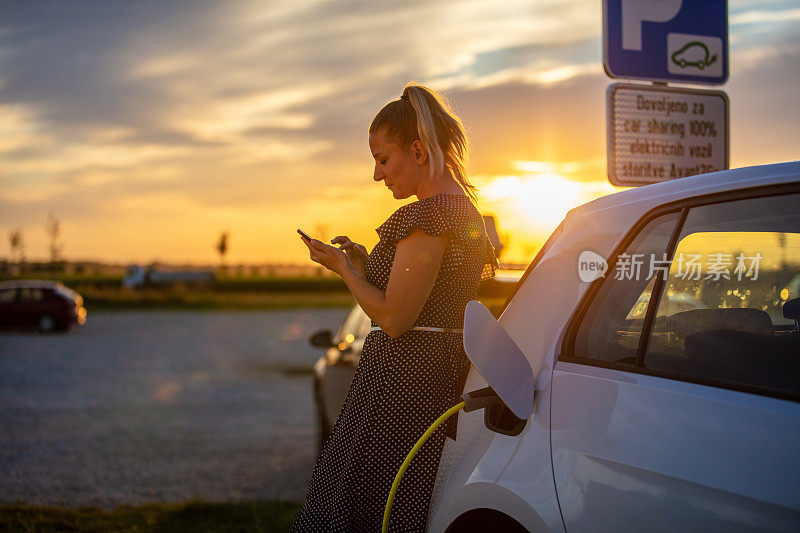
pixel 44 305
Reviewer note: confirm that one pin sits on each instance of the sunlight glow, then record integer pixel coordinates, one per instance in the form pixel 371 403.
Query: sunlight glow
pixel 561 167
pixel 544 196
pixel 545 199
pixel 529 204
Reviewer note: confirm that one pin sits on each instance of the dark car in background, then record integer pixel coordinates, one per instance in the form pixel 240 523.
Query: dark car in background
pixel 334 371
pixel 44 305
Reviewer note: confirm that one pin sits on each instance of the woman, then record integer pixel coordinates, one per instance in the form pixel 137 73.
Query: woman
pixel 414 285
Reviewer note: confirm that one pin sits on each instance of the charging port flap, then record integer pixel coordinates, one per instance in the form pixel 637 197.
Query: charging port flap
pixel 498 359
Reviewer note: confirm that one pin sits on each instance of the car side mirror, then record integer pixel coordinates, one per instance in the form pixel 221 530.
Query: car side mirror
pixel 322 339
pixel 791 309
pixel 498 359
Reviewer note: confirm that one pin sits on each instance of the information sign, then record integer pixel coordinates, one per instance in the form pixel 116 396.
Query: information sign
pixel 663 133
pixel 666 40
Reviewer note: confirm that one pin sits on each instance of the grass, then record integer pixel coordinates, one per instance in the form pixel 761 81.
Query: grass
pixel 180 298
pixel 183 298
pixel 225 284
pixel 193 516
pixel 104 293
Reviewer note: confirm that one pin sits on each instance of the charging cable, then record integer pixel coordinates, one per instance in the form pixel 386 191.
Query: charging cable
pixel 473 401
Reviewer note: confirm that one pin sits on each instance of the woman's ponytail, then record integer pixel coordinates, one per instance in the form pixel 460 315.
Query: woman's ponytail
pixel 422 114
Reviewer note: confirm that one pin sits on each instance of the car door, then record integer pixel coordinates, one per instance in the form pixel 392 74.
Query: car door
pixel 675 397
pixel 342 360
pixel 8 307
pixel 29 305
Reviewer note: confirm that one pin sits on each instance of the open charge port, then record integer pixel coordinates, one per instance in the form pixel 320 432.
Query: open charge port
pixel 500 419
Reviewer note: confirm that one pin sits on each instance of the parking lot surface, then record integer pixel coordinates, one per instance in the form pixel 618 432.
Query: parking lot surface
pixel 160 406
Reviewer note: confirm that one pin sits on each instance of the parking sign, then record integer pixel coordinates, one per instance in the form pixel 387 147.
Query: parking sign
pixel 666 40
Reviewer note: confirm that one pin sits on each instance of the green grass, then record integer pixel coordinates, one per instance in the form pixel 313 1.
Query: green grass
pixel 104 293
pixel 193 516
pixel 273 284
pixel 106 299
pixel 180 298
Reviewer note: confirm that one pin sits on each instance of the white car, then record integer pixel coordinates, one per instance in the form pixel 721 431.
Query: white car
pixel 660 324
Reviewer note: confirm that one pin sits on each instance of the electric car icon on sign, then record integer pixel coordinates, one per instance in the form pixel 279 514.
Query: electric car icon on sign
pixel 694 54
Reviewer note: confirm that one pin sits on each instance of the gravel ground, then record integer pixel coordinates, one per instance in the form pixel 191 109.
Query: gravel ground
pixel 160 406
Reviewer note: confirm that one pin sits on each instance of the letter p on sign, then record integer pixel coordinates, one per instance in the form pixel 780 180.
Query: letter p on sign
pixel 634 12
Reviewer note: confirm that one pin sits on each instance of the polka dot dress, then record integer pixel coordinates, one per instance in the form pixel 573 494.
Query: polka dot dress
pixel 402 385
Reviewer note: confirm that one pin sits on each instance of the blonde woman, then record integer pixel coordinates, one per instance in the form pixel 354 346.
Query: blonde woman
pixel 414 285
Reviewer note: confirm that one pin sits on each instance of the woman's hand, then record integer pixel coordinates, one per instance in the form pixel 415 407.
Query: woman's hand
pixel 330 257
pixel 357 253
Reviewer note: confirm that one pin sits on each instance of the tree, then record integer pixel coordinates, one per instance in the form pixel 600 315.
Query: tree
pixel 54 232
pixel 222 249
pixel 17 246
pixel 322 231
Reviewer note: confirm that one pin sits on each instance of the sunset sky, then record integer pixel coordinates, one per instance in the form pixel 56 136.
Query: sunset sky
pixel 148 128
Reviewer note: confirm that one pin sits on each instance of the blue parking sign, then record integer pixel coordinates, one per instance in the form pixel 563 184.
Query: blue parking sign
pixel 666 40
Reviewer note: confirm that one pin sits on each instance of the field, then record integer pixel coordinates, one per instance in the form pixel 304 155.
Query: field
pixel 245 293
pixel 186 298
pixel 105 293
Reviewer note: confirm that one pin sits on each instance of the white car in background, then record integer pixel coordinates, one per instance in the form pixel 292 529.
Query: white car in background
pixel 666 399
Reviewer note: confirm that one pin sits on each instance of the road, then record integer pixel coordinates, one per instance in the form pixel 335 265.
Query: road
pixel 160 406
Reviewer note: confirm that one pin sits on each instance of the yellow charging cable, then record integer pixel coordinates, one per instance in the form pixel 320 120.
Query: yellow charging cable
pixel 439 421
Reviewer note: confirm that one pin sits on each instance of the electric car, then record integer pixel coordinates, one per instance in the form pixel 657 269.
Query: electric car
pixel 694 54
pixel 661 327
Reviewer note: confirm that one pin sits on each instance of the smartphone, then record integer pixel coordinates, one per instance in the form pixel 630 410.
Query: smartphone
pixel 304 235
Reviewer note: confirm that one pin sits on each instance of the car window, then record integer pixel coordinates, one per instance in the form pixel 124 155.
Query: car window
pixel 31 295
pixel 720 314
pixel 7 295
pixel 611 328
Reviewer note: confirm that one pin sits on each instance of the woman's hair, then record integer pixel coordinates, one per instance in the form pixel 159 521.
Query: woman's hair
pixel 423 114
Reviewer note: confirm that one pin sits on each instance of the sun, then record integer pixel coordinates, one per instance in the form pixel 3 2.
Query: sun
pixel 542 200
pixel 529 204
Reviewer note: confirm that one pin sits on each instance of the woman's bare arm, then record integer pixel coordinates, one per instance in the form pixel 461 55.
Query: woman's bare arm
pixel 416 264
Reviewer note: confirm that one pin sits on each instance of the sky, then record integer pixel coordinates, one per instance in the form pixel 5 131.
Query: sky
pixel 148 128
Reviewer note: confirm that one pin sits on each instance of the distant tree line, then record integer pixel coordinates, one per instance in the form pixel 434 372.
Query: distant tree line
pixel 16 239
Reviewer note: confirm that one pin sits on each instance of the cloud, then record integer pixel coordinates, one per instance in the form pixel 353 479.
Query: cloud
pixel 200 108
pixel 17 128
pixel 764 16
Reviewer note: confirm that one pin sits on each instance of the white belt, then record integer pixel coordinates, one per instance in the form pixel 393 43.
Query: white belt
pixel 426 328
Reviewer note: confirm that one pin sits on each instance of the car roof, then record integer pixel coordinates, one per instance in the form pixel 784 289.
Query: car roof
pixel 678 189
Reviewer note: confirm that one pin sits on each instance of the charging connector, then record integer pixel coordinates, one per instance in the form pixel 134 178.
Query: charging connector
pixel 480 399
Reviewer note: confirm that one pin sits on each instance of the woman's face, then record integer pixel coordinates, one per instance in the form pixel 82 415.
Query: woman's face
pixel 401 170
